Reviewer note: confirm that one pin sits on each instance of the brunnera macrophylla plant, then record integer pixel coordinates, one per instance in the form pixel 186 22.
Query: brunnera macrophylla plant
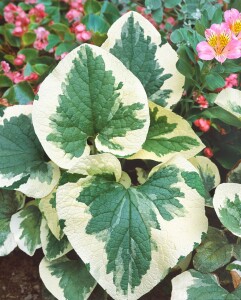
pixel 98 109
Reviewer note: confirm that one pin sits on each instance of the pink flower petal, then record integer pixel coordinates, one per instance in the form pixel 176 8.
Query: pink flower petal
pixel 205 51
pixel 233 49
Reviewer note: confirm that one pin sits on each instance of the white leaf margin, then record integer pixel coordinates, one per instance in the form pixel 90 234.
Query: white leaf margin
pixel 172 231
pixel 44 230
pixel 131 92
pixel 223 191
pixel 51 282
pixel 17 231
pixel 165 55
pixel 34 187
pixel 227 98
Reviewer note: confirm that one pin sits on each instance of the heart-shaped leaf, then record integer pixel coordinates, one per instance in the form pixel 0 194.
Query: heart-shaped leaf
pixel 229 99
pixel 137 231
pixel 90 97
pixel 67 279
pixel 192 285
pixel 25 226
pixel 52 247
pixel 136 42
pixel 168 135
pixel 23 163
pixel 10 203
pixel 227 204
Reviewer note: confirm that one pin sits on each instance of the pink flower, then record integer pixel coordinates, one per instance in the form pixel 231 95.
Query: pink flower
pixel 208 152
pixel 19 60
pixel 202 101
pixel 30 1
pixel 38 12
pixel 16 77
pixel 231 81
pixel 202 124
pixel 73 15
pixel 41 38
pixel 219 45
pixel 32 77
pixel 5 66
pixel 232 18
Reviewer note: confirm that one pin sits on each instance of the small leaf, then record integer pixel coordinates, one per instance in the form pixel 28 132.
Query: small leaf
pixel 192 285
pixel 28 38
pixel 60 27
pixel 153 4
pixel 25 226
pixel 214 81
pixel 92 7
pixel 52 247
pixel 227 204
pixel 234 175
pixel 229 99
pixel 5 81
pixel 29 53
pixel 22 156
pixel 168 135
pixel 10 203
pixel 67 279
pixel 47 206
pixel 95 23
pixel 171 3
pixel 209 173
pixel 214 252
pixel 21 92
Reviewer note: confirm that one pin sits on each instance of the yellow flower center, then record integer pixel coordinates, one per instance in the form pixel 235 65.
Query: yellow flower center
pixel 236 27
pixel 219 42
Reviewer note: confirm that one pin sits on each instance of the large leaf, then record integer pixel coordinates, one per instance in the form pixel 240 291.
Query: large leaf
pixel 93 96
pixel 168 134
pixel 209 174
pixel 10 203
pixel 23 163
pixel 25 226
pixel 67 279
pixel 227 204
pixel 229 99
pixel 192 285
pixel 138 232
pixel 52 247
pixel 214 252
pixel 135 42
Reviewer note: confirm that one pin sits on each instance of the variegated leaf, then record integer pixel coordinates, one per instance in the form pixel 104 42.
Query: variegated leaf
pixel 67 279
pixel 136 43
pixel 23 165
pixel 10 203
pixel 47 206
pixel 168 135
pixel 193 285
pixel 234 176
pixel 25 226
pixel 227 204
pixel 97 164
pixel 209 173
pixel 138 232
pixel 94 99
pixel 229 99
pixel 52 247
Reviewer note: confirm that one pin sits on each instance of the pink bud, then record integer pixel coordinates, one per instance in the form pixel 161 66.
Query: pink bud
pixel 5 66
pixel 208 152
